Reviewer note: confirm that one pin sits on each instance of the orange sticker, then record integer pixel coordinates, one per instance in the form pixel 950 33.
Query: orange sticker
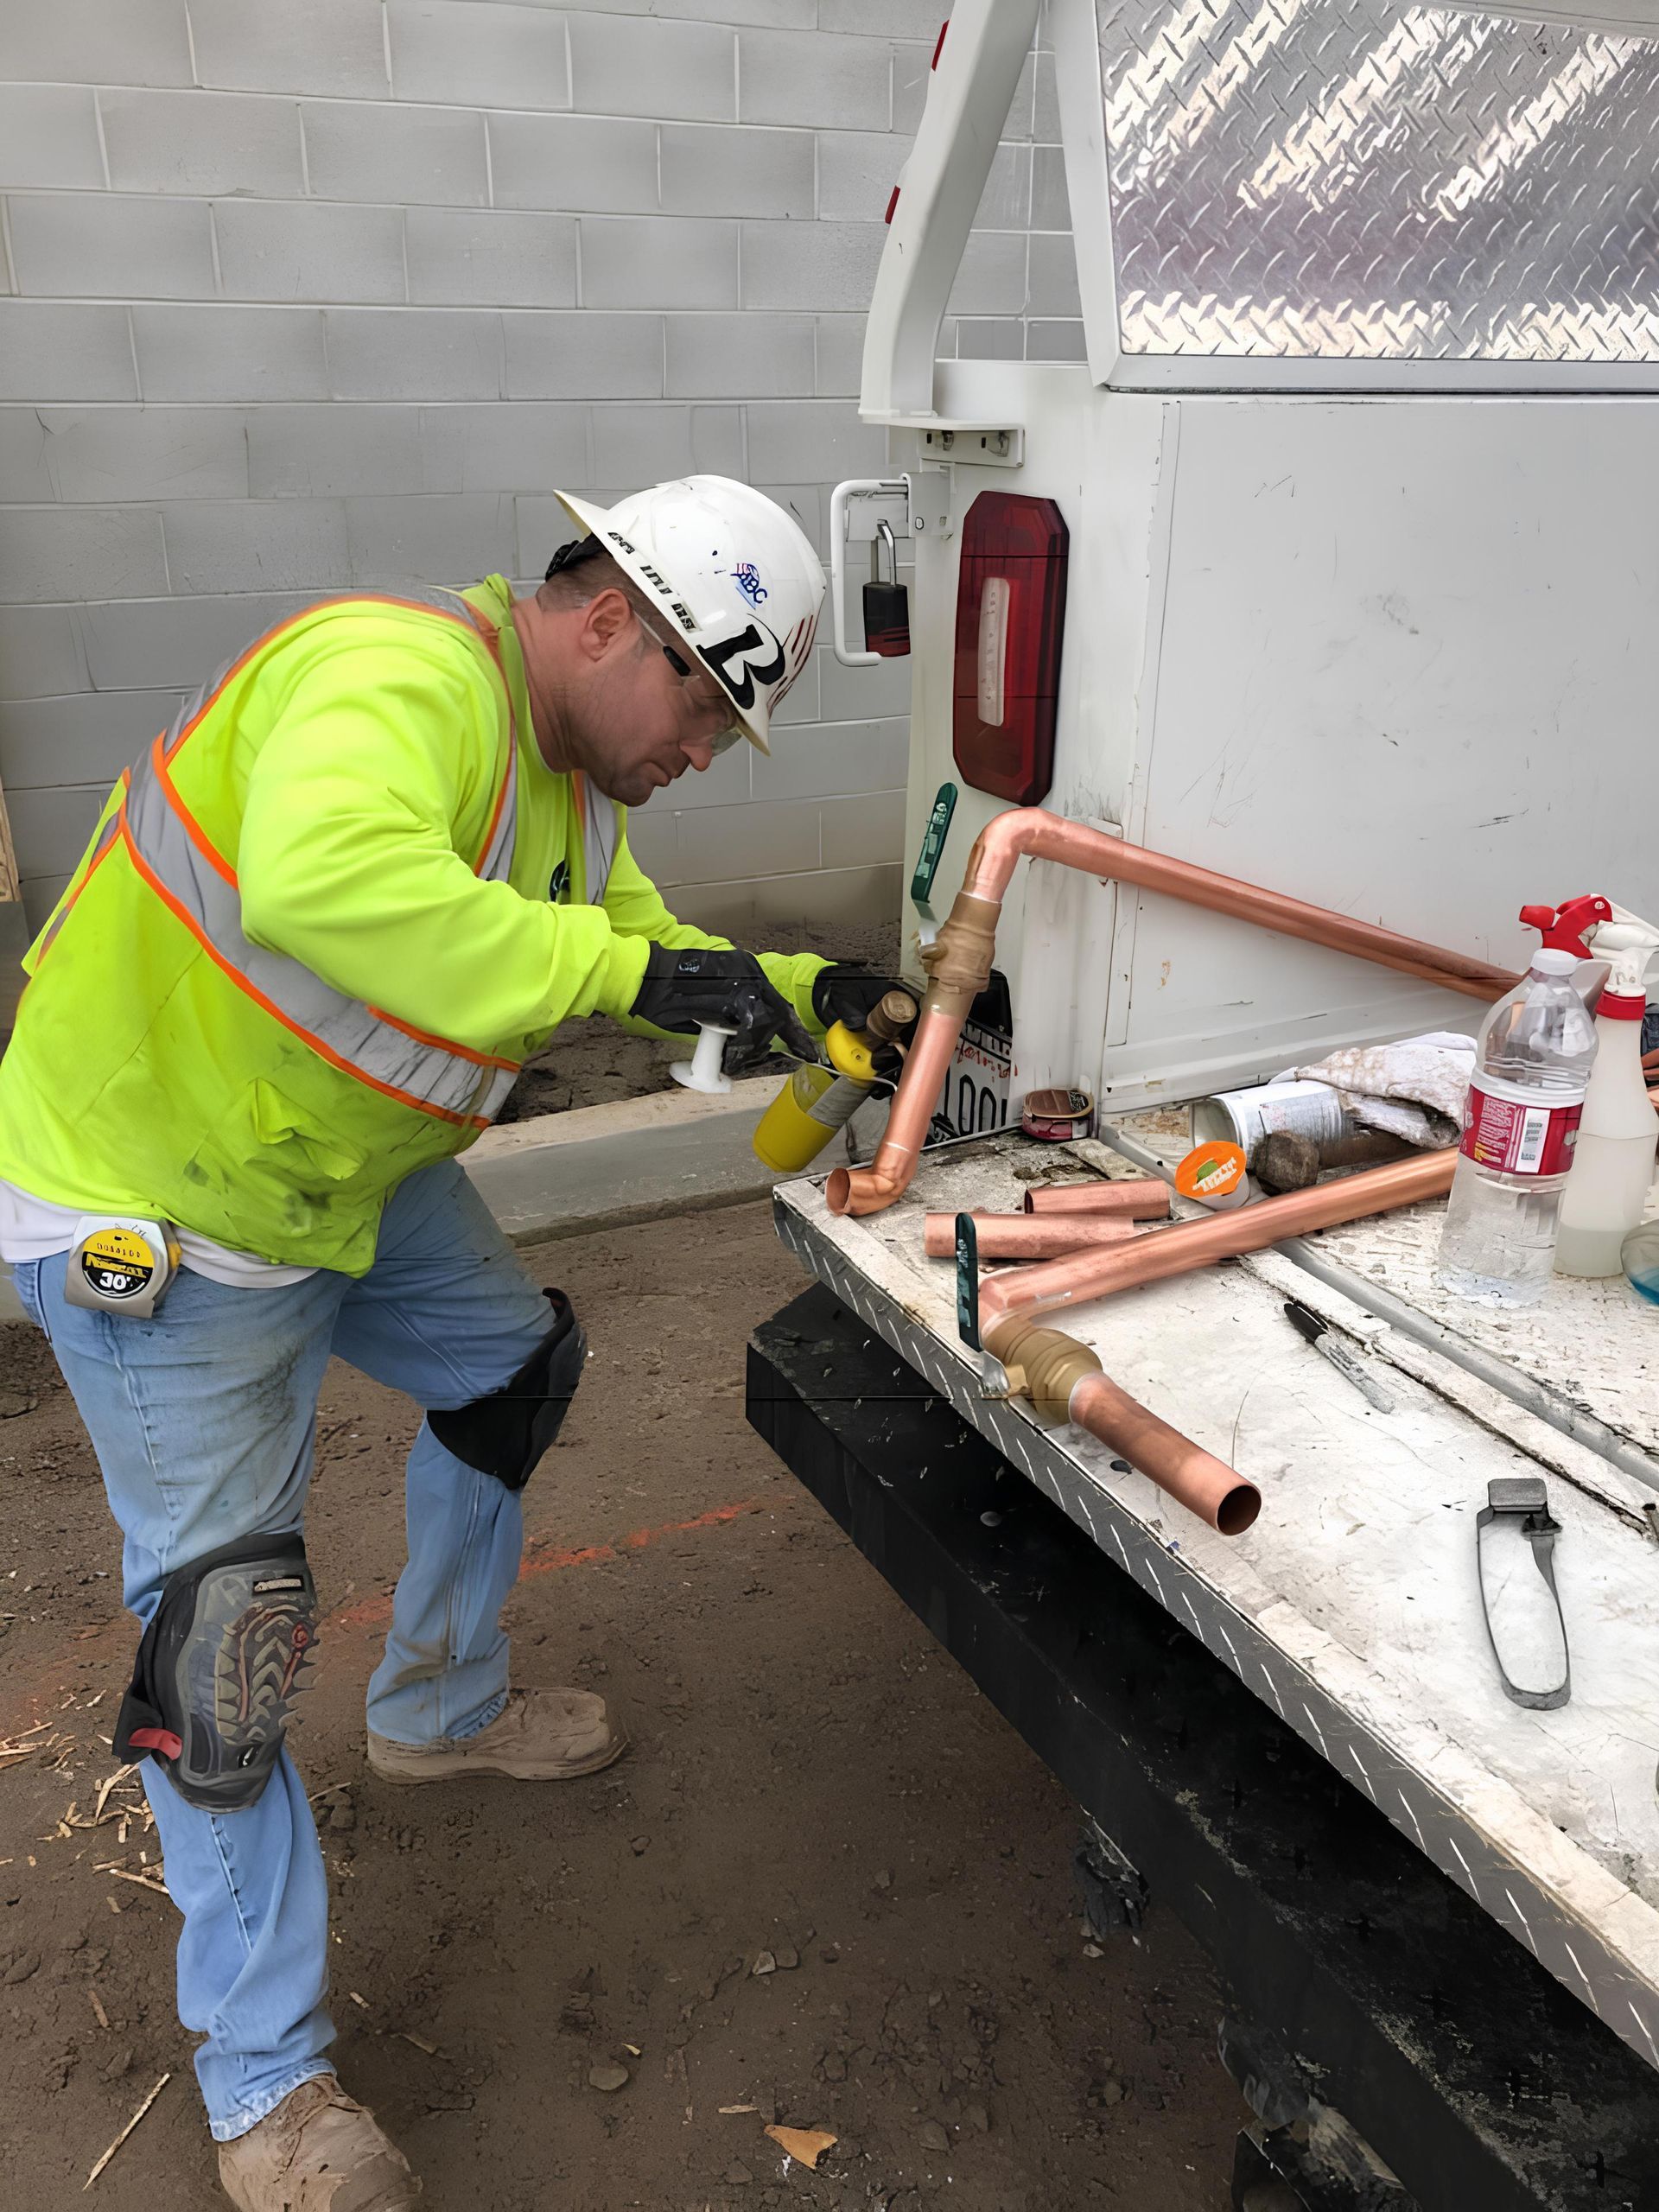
pixel 1213 1173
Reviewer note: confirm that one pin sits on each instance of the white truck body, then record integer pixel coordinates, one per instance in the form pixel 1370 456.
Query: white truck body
pixel 1360 608
pixel 1376 631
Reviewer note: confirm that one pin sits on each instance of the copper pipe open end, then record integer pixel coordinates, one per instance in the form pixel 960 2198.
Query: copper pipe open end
pixel 1238 1511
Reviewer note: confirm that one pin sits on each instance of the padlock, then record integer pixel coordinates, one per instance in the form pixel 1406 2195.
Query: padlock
pixel 887 606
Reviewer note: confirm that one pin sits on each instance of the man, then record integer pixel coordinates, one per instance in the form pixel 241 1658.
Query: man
pixel 372 866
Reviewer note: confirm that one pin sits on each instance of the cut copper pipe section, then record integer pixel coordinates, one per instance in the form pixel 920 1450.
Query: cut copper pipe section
pixel 1063 1379
pixel 1178 1251
pixel 1027 1236
pixel 959 963
pixel 1130 1198
pixel 1194 1476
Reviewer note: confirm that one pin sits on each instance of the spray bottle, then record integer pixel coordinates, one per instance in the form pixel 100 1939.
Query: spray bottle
pixel 1606 1191
pixel 817 1101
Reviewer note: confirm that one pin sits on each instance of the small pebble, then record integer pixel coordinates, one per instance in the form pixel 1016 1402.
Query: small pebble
pixel 608 2077
pixel 933 2137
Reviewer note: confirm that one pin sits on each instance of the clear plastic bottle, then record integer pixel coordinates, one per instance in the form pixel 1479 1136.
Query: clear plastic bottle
pixel 1532 1067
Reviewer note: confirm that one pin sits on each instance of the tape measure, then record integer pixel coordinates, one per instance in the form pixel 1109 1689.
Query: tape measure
pixel 120 1266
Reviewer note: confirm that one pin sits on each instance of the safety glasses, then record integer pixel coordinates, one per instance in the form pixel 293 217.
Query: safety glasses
pixel 703 694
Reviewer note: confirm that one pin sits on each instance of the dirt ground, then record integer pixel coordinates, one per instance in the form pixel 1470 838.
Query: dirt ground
pixel 593 1063
pixel 827 1886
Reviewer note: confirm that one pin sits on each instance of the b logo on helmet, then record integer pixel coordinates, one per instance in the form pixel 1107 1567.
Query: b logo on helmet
pixel 751 638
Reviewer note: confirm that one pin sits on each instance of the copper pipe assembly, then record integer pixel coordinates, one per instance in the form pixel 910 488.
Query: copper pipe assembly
pixel 959 963
pixel 1190 1244
pixel 1130 1198
pixel 1064 1380
pixel 1026 1235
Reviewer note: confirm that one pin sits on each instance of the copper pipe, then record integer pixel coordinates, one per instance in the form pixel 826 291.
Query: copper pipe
pixel 1189 1244
pixel 926 1066
pixel 1050 837
pixel 959 964
pixel 1130 1198
pixel 1025 1235
pixel 1195 1477
pixel 1063 1379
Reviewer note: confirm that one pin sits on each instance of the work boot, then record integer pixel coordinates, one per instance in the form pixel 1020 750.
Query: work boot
pixel 537 1736
pixel 319 2151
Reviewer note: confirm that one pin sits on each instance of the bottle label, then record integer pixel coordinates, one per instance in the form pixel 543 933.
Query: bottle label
pixel 1518 1138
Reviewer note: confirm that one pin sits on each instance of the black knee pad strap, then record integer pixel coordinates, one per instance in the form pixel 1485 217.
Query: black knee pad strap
pixel 217 1669
pixel 505 1433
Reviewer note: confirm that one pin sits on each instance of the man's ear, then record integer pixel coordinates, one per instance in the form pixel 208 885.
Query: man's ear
pixel 605 621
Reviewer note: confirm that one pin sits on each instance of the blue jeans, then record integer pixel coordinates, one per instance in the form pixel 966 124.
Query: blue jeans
pixel 204 1419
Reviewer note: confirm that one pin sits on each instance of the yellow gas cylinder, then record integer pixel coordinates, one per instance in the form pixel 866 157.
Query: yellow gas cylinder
pixel 815 1102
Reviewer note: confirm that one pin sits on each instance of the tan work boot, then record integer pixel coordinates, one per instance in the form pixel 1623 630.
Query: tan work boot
pixel 537 1736
pixel 319 2151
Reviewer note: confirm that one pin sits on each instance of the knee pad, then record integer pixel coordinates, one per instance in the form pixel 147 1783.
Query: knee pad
pixel 505 1433
pixel 218 1666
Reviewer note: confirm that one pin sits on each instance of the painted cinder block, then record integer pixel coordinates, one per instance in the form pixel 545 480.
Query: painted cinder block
pixel 429 156
pixel 303 46
pixel 52 553
pixel 218 351
pixel 709 169
pixel 657 261
pixel 309 250
pixel 202 142
pixel 48 138
pixel 492 55
pixel 636 65
pixel 607 163
pixel 492 257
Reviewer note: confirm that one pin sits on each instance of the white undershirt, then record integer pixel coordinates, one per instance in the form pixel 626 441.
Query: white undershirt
pixel 34 1229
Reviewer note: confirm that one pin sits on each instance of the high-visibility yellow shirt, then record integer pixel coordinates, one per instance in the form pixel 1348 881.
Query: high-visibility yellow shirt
pixel 330 800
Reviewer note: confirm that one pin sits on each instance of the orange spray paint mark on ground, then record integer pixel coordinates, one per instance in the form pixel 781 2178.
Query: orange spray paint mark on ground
pixel 542 1557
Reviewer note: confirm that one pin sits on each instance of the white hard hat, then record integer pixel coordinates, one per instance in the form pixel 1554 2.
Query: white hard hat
pixel 733 575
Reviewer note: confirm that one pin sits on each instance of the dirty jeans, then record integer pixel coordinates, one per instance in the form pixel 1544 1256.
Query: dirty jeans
pixel 203 1419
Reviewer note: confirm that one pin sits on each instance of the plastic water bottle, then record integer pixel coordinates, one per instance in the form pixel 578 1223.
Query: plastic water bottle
pixel 1532 1067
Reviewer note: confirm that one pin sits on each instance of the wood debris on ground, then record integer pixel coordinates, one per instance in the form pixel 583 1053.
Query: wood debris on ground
pixel 125 2132
pixel 806 2146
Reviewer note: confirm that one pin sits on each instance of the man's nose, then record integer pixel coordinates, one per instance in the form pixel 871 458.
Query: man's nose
pixel 699 751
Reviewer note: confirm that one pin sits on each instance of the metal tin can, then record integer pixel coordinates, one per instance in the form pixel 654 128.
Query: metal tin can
pixel 1058 1117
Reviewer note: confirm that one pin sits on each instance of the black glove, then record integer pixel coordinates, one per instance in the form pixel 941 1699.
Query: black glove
pixel 683 989
pixel 850 996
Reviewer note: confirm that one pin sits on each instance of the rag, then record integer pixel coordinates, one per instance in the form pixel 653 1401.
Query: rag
pixel 1414 1090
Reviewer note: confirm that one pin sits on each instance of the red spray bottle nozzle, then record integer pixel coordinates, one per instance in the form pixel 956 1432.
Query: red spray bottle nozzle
pixel 1563 927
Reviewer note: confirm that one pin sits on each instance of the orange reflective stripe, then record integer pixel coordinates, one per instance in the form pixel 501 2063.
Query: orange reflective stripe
pixel 181 913
pixel 193 828
pixel 445 1044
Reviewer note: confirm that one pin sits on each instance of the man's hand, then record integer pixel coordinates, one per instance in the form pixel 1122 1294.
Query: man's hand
pixel 683 989
pixel 850 996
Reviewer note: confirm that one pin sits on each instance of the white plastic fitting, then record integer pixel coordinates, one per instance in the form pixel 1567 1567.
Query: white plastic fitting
pixel 702 1071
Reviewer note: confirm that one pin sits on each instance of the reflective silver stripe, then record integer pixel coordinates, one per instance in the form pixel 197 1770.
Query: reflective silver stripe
pixel 345 1027
pixel 601 833
pixel 367 1043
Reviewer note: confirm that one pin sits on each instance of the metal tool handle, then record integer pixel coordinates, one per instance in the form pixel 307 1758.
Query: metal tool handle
pixel 1524 1500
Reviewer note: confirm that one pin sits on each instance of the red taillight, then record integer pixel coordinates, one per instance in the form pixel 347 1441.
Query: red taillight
pixel 1010 617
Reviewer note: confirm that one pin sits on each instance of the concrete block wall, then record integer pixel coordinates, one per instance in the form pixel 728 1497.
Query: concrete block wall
pixel 335 293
